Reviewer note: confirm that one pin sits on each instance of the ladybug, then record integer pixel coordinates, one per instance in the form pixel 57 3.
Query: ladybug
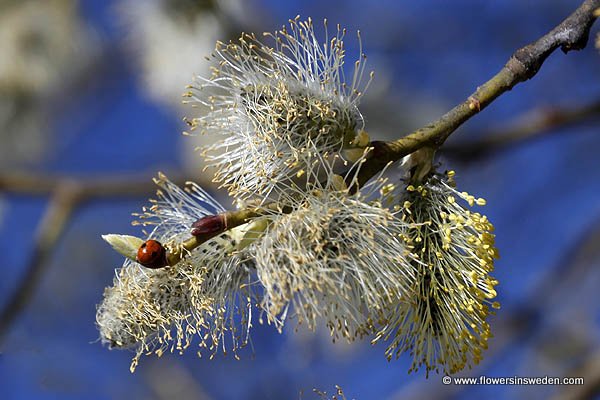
pixel 152 254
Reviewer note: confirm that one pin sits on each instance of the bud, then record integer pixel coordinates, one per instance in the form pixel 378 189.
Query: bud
pixel 125 245
pixel 209 225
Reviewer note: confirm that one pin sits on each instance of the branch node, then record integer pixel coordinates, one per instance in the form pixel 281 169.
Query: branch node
pixel 474 103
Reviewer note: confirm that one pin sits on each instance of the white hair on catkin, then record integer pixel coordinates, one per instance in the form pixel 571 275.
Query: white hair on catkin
pixel 208 295
pixel 335 257
pixel 278 109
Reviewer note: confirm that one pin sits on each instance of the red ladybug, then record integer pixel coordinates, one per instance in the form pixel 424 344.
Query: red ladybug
pixel 152 254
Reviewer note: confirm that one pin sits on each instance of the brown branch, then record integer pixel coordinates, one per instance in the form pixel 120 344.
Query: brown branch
pixel 66 194
pixel 524 64
pixel 534 124
pixel 62 204
pixel 31 184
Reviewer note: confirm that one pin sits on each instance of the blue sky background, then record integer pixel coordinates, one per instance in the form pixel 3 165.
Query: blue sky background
pixel 543 197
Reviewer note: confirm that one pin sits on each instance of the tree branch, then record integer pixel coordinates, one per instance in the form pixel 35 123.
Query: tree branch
pixel 60 208
pixel 571 34
pixel 529 126
pixel 32 184
pixel 66 194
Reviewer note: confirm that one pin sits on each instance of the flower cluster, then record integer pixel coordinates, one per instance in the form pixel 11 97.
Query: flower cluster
pixel 337 257
pixel 406 264
pixel 278 110
pixel 208 295
pixel 445 324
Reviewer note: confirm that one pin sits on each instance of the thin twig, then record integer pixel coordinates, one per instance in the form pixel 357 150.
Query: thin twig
pixel 32 184
pixel 571 34
pixel 66 195
pixel 61 205
pixel 534 124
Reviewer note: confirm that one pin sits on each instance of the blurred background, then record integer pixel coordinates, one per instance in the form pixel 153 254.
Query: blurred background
pixel 90 110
